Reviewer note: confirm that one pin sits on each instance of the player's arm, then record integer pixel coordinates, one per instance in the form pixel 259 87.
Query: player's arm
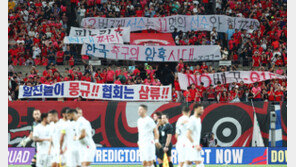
pixel 82 135
pixel 62 139
pixel 156 138
pixel 37 139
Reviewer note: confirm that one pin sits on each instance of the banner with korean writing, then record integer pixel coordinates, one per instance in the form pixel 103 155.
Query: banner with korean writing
pixel 168 24
pixel 152 53
pixel 247 77
pixel 104 38
pixel 89 90
pixel 124 32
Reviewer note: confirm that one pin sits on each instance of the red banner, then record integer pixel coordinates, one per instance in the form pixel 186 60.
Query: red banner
pixel 115 123
pixel 152 39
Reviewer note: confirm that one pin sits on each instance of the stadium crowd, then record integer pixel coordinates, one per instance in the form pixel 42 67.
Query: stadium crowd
pixel 37 28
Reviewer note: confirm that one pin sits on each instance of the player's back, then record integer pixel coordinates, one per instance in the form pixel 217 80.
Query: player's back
pixel 145 129
pixel 85 124
pixel 42 132
pixel 181 127
pixel 70 133
pixel 195 127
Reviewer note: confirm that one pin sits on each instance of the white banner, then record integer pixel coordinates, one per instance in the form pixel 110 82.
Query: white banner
pixel 90 90
pixel 114 37
pixel 85 32
pixel 152 53
pixel 247 77
pixel 168 24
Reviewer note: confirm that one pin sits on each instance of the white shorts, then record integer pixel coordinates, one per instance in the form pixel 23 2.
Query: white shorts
pixel 72 158
pixel 180 147
pixel 43 160
pixel 147 151
pixel 192 153
pixel 87 154
pixel 55 156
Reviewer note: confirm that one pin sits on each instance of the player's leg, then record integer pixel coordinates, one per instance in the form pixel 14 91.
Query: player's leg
pixel 87 156
pixel 159 155
pixel 199 164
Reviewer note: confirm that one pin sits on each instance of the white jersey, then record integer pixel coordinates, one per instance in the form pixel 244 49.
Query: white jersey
pixel 182 128
pixel 194 126
pixel 42 132
pixel 82 123
pixel 70 131
pixel 145 130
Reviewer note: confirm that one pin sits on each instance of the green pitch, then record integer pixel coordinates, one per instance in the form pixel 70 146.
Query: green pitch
pixel 174 165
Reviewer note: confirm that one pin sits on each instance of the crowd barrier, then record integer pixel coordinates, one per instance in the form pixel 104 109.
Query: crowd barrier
pixel 218 155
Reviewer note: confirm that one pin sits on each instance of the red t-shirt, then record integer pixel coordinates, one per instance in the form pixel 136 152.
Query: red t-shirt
pixel 136 72
pixel 211 93
pixel 177 85
pixel 271 97
pixel 279 94
pixel 192 93
pixel 256 61
pixel 110 76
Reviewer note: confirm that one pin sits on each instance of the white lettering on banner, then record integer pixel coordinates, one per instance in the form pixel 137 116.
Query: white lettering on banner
pixel 228 156
pixel 100 39
pixel 208 156
pixel 90 90
pixel 152 53
pixel 247 77
pixel 124 32
pixel 18 156
pixel 169 23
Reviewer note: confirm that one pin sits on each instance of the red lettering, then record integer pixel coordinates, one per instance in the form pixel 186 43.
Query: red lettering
pixel 263 75
pixel 192 80
pixel 271 75
pixel 183 50
pixel 208 80
pixel 255 77
pixel 172 54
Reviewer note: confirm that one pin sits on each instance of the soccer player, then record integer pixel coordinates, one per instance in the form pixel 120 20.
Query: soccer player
pixel 63 124
pixel 55 137
pixel 36 116
pixel 148 137
pixel 72 145
pixel 41 136
pixel 181 131
pixel 193 135
pixel 87 145
pixel 165 136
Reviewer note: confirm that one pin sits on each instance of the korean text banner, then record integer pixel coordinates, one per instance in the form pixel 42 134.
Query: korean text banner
pixel 114 37
pixel 168 24
pixel 247 77
pixel 152 53
pixel 225 155
pixel 20 156
pixel 89 90
pixel 85 32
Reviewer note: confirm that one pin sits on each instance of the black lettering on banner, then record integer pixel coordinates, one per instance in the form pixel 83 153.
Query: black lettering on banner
pixel 149 24
pixel 172 22
pixel 236 76
pixel 15 118
pixel 90 33
pixel 213 20
pixel 230 22
pixel 103 23
pixel 78 32
pixel 206 57
pixel 216 77
pixel 245 24
pixel 181 22
pixel 223 78
pixel 112 22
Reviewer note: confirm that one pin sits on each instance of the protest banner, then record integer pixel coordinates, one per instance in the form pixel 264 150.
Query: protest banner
pixel 124 32
pixel 90 90
pixel 247 77
pixel 152 53
pixel 168 24
pixel 104 38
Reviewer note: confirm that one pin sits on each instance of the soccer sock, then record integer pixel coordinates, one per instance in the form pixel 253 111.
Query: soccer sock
pixel 154 163
pixel 171 164
pixel 160 165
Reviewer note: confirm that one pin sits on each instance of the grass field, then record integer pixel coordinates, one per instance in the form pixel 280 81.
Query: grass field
pixel 174 166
